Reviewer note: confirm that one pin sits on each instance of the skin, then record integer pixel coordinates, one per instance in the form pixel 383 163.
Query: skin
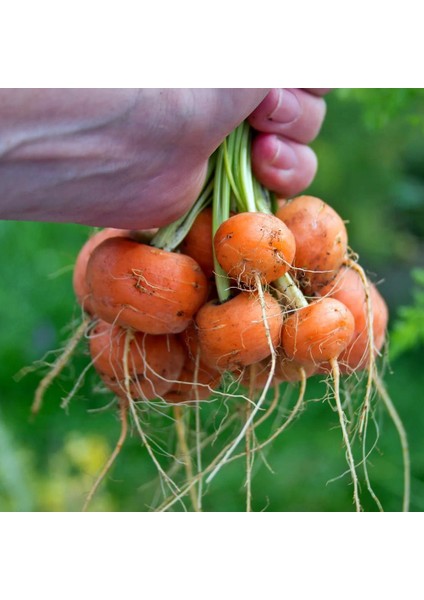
pixel 136 158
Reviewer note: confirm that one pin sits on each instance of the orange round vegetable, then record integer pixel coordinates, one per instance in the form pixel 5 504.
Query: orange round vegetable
pixel 198 242
pixel 79 281
pixel 252 243
pixel 142 287
pixel 318 332
pixel 154 362
pixel 321 240
pixel 348 288
pixel 232 335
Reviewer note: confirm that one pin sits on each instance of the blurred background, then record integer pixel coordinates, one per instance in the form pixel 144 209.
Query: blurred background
pixel 371 170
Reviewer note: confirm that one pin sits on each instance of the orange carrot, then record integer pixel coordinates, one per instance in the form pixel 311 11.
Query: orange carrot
pixel 198 242
pixel 232 335
pixel 153 362
pixel 142 287
pixel 321 240
pixel 254 244
pixel 318 332
pixel 80 285
pixel 349 289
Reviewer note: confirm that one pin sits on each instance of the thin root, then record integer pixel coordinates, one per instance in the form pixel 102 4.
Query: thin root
pixel 342 419
pixel 264 391
pixel 58 366
pixel 403 440
pixel 116 451
pixel 370 333
pixel 185 452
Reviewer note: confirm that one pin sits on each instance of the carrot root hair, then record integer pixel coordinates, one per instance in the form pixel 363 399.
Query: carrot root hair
pixel 342 419
pixel 262 397
pixel 58 366
pixel 113 456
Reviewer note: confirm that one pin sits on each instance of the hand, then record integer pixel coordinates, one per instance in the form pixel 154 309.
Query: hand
pixel 137 158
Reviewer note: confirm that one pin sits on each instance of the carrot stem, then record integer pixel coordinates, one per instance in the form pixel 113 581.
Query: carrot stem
pixel 220 213
pixel 170 237
pixel 246 169
pixel 292 296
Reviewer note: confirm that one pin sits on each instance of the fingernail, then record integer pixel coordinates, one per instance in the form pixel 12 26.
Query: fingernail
pixel 287 108
pixel 284 157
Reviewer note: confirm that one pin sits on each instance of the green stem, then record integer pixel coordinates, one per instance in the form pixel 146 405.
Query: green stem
pixel 220 213
pixel 246 169
pixel 291 296
pixel 234 178
pixel 171 236
pixel 228 146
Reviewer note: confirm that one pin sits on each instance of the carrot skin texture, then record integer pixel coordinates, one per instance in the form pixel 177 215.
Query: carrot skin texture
pixel 252 243
pixel 348 288
pixel 318 332
pixel 148 289
pixel 153 361
pixel 198 242
pixel 232 335
pixel 79 280
pixel 321 240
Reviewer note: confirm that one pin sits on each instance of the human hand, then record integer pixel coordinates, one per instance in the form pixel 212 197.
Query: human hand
pixel 137 158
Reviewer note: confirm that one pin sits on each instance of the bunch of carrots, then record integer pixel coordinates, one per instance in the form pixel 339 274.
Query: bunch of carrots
pixel 262 288
pixel 238 280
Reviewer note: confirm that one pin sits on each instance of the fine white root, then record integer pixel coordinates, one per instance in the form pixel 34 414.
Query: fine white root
pixel 58 366
pixel 198 431
pixel 342 419
pixel 287 422
pixel 199 467
pixel 365 466
pixel 67 399
pixel 363 419
pixel 249 461
pixel 129 335
pixel 382 392
pixel 185 453
pixel 169 502
pixel 112 458
pixel 262 397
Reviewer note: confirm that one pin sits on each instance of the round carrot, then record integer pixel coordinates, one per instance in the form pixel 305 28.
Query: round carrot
pixel 348 288
pixel 142 287
pixel 152 362
pixel 253 243
pixel 321 240
pixel 233 335
pixel 79 281
pixel 198 242
pixel 318 332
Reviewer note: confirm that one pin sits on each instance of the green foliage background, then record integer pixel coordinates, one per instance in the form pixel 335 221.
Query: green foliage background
pixel 371 169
